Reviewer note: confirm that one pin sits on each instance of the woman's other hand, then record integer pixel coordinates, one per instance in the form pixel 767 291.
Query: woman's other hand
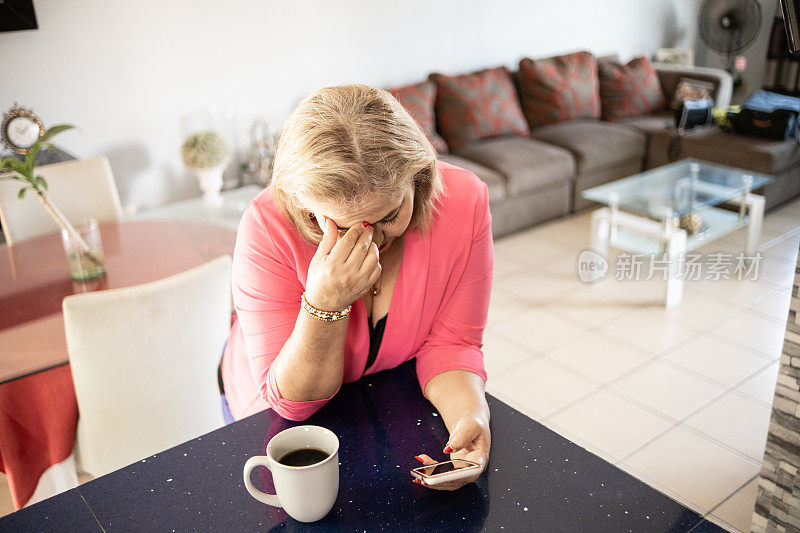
pixel 470 440
pixel 342 270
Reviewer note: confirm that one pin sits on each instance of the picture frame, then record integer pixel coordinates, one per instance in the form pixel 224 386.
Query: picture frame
pixel 675 56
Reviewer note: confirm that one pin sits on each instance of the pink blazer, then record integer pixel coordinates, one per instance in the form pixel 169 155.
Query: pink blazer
pixel 437 314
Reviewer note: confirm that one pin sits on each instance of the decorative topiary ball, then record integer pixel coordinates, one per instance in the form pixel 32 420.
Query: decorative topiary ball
pixel 205 149
pixel 691 222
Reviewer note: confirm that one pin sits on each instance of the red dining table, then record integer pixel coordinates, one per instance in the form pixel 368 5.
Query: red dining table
pixel 38 409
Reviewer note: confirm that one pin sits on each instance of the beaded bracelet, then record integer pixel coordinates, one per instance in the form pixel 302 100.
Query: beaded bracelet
pixel 319 314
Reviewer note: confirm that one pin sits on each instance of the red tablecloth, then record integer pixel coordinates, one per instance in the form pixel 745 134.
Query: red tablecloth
pixel 38 415
pixel 38 408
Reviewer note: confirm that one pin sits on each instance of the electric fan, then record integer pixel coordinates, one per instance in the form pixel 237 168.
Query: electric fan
pixel 729 26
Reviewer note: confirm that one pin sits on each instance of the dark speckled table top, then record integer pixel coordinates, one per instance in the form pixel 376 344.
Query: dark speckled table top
pixel 536 480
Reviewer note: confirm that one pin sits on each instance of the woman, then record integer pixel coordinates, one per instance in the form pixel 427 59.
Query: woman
pixel 364 252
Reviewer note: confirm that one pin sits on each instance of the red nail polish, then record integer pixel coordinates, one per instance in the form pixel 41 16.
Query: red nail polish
pixel 448 449
pixel 366 224
pixel 418 458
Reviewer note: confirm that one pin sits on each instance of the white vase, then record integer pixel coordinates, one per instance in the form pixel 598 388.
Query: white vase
pixel 210 183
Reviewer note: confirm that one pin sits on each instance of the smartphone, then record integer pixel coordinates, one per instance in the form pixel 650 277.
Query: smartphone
pixel 445 471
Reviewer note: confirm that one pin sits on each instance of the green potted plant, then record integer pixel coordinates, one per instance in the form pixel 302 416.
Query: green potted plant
pixel 207 154
pixel 25 173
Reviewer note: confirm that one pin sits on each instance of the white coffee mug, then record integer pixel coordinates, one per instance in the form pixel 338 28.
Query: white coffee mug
pixel 307 493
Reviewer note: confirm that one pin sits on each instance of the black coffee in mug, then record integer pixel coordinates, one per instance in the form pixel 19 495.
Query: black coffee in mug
pixel 303 457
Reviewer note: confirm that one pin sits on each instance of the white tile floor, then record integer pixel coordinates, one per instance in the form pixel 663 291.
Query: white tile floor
pixel 680 398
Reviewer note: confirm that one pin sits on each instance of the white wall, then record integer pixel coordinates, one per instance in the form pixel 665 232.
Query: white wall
pixel 126 71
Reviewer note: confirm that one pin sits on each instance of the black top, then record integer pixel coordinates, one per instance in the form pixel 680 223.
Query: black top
pixel 375 338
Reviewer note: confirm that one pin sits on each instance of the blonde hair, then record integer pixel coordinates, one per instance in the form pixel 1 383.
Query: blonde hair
pixel 346 143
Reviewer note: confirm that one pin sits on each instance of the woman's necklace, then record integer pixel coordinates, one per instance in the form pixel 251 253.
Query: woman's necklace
pixel 376 288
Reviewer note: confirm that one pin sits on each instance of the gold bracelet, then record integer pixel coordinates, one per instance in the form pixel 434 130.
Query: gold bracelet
pixel 319 314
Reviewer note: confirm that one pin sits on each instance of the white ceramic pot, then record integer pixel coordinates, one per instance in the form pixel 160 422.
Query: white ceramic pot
pixel 211 183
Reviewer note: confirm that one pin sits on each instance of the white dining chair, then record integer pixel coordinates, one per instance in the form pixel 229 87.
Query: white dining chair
pixel 144 362
pixel 81 189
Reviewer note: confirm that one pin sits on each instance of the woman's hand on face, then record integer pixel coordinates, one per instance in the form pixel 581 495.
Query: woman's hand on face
pixel 470 440
pixel 342 270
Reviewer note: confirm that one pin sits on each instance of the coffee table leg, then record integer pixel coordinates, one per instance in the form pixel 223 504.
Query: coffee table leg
pixel 755 205
pixel 675 254
pixel 601 231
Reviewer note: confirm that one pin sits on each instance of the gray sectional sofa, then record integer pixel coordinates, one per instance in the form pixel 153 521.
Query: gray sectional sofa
pixel 541 177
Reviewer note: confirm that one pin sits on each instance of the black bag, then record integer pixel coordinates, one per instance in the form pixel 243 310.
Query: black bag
pixel 768 115
pixel 780 124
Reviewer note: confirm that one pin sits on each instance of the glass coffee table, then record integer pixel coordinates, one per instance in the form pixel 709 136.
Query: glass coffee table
pixel 672 210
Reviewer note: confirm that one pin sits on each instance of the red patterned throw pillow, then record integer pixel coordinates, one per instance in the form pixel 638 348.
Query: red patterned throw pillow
pixel 418 100
pixel 629 90
pixel 477 106
pixel 559 88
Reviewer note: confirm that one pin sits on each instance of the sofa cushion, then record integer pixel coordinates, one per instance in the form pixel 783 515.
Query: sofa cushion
pixel 492 178
pixel 418 100
pixel 765 156
pixel 526 164
pixel 629 90
pixel 595 144
pixel 559 88
pixel 477 106
pixel 649 123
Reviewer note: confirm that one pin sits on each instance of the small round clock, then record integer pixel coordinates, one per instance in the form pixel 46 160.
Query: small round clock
pixel 20 129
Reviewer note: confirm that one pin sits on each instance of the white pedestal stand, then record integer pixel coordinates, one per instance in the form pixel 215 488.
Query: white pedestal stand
pixel 210 183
